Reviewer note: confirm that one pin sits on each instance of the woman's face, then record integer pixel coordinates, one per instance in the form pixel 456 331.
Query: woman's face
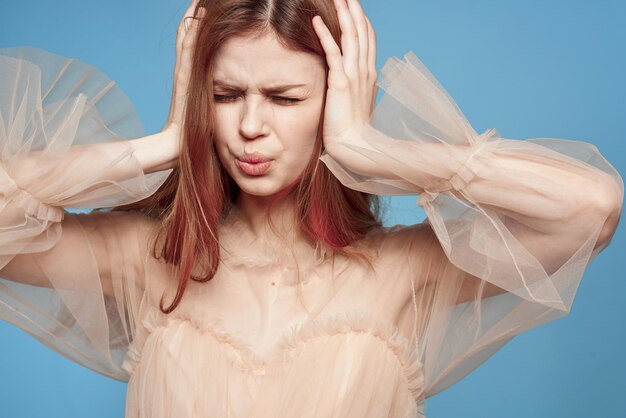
pixel 268 101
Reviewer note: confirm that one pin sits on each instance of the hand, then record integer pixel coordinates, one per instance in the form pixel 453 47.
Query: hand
pixel 185 43
pixel 352 85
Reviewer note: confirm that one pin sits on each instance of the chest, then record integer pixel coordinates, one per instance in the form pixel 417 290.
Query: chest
pixel 335 363
pixel 259 304
pixel 262 336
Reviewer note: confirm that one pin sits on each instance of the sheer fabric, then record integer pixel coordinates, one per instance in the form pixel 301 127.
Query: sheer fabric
pixel 518 278
pixel 282 329
pixel 48 104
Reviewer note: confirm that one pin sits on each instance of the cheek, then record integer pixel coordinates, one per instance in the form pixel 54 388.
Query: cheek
pixel 224 123
pixel 300 127
pixel 225 130
pixel 298 144
pixel 294 130
pixel 220 148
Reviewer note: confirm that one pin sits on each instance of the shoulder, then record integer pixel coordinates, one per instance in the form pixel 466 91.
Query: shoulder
pixel 401 259
pixel 149 235
pixel 120 227
pixel 146 232
pixel 129 233
pixel 416 247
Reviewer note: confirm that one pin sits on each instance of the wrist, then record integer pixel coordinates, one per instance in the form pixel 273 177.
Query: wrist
pixel 168 141
pixel 158 151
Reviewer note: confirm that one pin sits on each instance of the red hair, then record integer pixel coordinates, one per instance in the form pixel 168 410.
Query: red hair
pixel 197 195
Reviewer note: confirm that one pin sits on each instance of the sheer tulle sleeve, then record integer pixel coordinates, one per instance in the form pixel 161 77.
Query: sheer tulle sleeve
pixel 71 280
pixel 479 275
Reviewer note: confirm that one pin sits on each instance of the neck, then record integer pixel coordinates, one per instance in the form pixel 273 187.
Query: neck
pixel 254 212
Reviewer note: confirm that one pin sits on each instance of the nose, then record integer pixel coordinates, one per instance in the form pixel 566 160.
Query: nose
pixel 253 121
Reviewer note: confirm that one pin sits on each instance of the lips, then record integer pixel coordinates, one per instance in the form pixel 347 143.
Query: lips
pixel 254 158
pixel 254 169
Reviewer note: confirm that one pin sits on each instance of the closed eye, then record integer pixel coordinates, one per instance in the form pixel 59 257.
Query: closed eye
pixel 286 99
pixel 222 98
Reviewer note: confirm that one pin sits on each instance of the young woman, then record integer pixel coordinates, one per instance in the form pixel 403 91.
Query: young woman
pixel 244 270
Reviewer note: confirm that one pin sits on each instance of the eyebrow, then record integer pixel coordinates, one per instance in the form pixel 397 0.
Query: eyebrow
pixel 267 90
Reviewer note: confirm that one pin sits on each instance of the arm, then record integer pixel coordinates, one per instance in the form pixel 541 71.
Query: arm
pixel 512 213
pixel 511 225
pixel 525 208
pixel 150 154
pixel 98 169
pixel 94 253
pixel 549 200
pixel 547 192
pixel 509 232
pixel 74 281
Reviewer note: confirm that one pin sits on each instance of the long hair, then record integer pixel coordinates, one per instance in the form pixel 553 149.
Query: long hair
pixel 195 198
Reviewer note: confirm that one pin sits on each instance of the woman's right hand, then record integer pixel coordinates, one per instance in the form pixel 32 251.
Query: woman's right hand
pixel 185 43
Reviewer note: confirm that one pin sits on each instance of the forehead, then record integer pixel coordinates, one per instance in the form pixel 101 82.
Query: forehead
pixel 263 60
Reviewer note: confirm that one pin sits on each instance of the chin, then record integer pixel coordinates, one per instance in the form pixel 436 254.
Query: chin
pixel 258 187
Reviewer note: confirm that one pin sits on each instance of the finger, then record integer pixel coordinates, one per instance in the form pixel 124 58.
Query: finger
pixel 371 58
pixel 187 39
pixel 183 69
pixel 182 25
pixel 190 11
pixel 184 64
pixel 186 22
pixel 190 36
pixel 358 17
pixel 349 39
pixel 373 100
pixel 180 34
pixel 331 49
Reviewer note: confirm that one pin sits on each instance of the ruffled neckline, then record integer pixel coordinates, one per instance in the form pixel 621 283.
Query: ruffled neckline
pixel 239 247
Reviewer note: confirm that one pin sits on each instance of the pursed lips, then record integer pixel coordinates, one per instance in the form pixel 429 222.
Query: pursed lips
pixel 254 158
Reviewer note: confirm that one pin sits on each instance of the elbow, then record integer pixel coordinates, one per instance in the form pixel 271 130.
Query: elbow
pixel 609 206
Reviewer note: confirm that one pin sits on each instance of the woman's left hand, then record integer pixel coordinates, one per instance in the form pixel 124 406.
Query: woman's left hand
pixel 352 86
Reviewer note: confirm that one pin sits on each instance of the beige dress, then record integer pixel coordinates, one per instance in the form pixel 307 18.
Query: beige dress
pixel 275 333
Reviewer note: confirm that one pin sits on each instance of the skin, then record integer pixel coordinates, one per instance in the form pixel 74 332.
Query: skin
pixel 252 118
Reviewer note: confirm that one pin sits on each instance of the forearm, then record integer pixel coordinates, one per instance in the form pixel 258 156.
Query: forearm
pixel 159 151
pixel 149 153
pixel 543 193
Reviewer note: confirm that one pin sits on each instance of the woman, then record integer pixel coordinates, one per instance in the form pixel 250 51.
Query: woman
pixel 239 276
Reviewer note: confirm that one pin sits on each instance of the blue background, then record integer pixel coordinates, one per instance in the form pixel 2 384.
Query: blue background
pixel 550 68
